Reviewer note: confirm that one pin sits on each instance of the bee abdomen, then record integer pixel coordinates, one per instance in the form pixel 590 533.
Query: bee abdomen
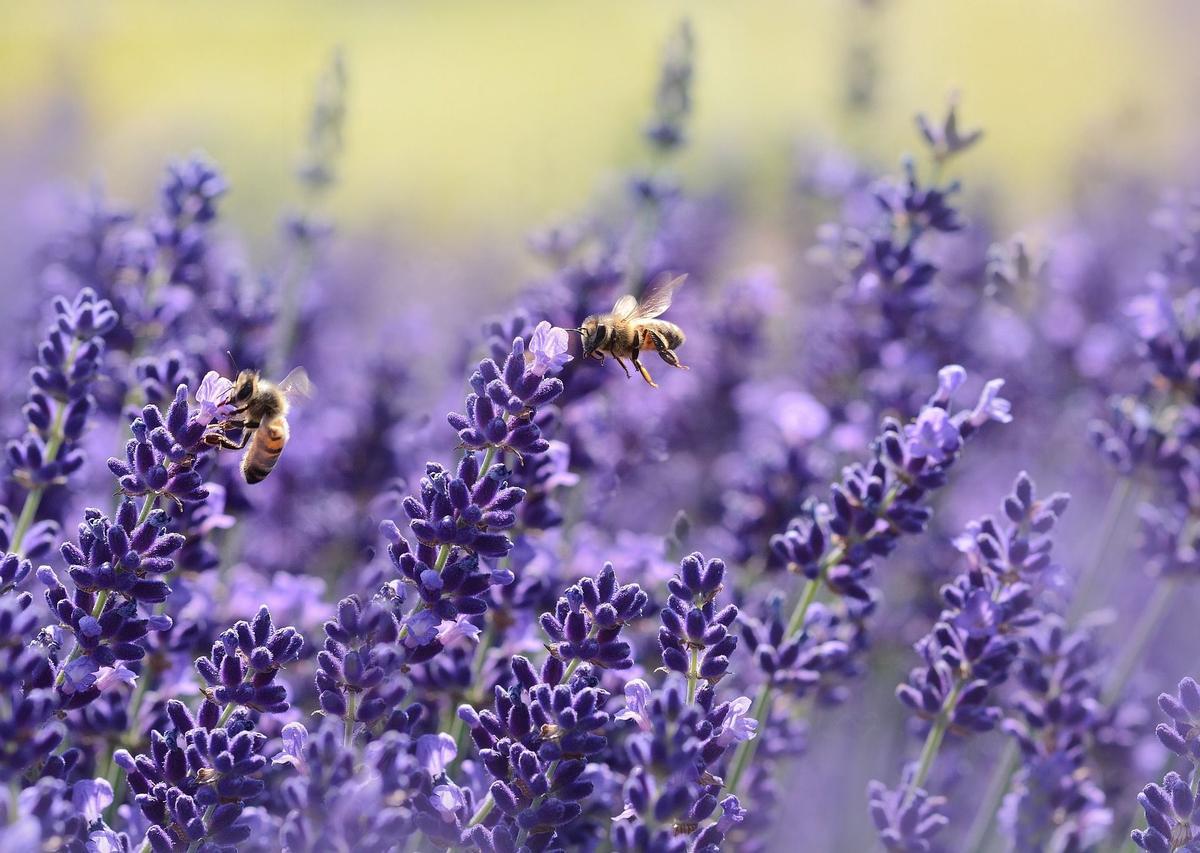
pixel 264 450
pixel 662 335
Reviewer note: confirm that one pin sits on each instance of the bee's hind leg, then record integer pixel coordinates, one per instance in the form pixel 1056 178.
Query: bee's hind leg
pixel 219 439
pixel 642 370
pixel 666 353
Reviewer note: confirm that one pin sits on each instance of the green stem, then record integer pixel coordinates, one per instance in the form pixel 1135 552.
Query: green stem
pixel 147 507
pixel 53 445
pixel 760 711
pixel 933 742
pixel 1143 632
pixel 488 458
pixel 485 809
pixel 693 675
pixel 1118 501
pixel 97 609
pixel 978 835
pixel 455 726
pixel 351 710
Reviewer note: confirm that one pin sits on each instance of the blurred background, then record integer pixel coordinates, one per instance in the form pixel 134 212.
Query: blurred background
pixel 484 119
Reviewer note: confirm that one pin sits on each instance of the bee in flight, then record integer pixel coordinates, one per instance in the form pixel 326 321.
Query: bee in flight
pixel 632 326
pixel 260 412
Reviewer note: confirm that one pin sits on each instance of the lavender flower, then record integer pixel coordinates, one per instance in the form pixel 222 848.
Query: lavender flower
pixel 243 664
pixel 60 401
pixel 695 637
pixel 1173 814
pixel 587 621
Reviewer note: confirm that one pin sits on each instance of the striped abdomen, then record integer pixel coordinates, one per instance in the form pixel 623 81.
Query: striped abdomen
pixel 263 451
pixel 660 335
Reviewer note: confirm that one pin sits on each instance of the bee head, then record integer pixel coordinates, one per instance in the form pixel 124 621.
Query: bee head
pixel 244 387
pixel 589 334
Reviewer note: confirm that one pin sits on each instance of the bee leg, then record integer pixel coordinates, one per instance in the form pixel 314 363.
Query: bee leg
pixel 642 370
pixel 666 353
pixel 624 367
pixel 218 440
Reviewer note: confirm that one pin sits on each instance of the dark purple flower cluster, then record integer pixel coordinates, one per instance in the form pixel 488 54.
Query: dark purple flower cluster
pixel 1056 799
pixel 503 401
pixel 587 621
pixel 469 510
pixel 695 637
pixel 161 457
pixel 357 673
pixel 1173 816
pixel 875 505
pixel 193 784
pixel 535 743
pixel 242 667
pixel 673 793
pixel 974 646
pixel 29 731
pixel 59 404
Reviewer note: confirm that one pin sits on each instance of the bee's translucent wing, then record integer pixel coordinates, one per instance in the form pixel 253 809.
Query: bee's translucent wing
pixel 658 299
pixel 297 385
pixel 625 308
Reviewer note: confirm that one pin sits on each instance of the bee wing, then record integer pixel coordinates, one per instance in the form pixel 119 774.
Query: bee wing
pixel 297 385
pixel 625 308
pixel 658 299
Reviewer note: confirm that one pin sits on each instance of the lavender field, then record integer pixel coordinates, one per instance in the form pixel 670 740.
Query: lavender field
pixel 689 471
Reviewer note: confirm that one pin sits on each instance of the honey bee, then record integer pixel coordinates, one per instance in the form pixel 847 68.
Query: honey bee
pixel 631 327
pixel 260 412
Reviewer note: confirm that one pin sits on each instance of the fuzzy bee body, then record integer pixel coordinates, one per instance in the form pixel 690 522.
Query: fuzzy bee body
pixel 632 327
pixel 261 410
pixel 265 446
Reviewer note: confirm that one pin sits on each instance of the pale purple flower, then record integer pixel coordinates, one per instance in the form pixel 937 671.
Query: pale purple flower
pixel 79 674
pixel 732 814
pixel 739 725
pixel 104 841
pixel 435 752
pixel 950 379
pixel 111 676
pixel 637 704
pixel 91 797
pixel 447 799
pixel 991 406
pixel 547 351
pixel 212 398
pixel 458 631
pixel 422 627
pixel 932 435
pixel 295 738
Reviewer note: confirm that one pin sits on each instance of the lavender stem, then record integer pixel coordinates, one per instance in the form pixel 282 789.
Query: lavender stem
pixel 34 499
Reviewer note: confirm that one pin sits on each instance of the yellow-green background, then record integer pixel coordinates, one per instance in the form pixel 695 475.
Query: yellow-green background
pixel 490 116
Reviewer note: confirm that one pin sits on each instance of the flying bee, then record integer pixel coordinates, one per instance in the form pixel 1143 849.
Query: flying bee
pixel 260 412
pixel 631 327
